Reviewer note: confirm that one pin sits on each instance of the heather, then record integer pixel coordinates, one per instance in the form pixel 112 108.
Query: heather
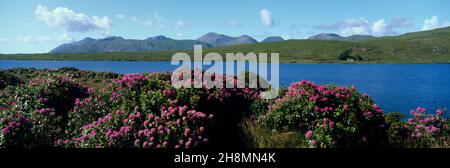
pixel 70 108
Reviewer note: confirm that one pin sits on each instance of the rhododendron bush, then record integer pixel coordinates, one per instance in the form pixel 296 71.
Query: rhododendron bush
pixel 133 111
pixel 427 129
pixel 58 108
pixel 35 115
pixel 330 116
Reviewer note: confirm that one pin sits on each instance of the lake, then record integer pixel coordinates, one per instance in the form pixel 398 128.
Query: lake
pixel 395 87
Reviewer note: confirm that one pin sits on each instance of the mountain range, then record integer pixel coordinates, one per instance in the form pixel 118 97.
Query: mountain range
pixel 163 43
pixel 114 44
pixel 156 43
pixel 432 46
pixel 332 36
pixel 219 40
pixel 209 40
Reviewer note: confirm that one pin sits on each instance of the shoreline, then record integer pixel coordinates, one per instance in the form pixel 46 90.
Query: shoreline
pixel 281 62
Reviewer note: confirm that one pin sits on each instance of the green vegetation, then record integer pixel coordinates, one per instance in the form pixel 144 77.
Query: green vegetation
pixel 347 56
pixel 420 47
pixel 19 76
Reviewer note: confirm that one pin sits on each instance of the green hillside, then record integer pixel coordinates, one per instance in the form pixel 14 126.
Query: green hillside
pixel 419 47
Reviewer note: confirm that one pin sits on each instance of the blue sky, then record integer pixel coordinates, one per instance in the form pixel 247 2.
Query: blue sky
pixel 39 26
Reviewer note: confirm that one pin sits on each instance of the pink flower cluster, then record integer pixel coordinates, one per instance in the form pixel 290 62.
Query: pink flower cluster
pixel 326 97
pixel 326 112
pixel 131 80
pixel 89 131
pixel 97 123
pixel 423 125
pixel 185 127
pixel 20 122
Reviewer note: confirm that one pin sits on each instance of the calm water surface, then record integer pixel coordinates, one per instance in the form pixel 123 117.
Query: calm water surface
pixel 395 87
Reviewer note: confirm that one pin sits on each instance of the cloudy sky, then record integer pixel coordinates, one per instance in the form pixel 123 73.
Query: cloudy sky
pixel 38 26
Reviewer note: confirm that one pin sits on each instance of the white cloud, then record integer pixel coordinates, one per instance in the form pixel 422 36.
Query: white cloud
pixel 180 34
pixel 158 18
pixel 65 38
pixel 379 28
pixel 359 30
pixel 160 21
pixel 266 18
pixel 71 21
pixel 350 27
pixel 179 24
pixel 361 26
pixel 233 23
pixel 121 16
pixel 360 22
pixel 433 23
pixel 152 20
pixel 342 24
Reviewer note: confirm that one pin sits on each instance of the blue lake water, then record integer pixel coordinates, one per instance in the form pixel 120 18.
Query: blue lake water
pixel 395 87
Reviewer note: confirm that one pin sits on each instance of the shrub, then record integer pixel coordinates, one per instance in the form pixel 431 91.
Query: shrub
pixel 145 111
pixel 397 133
pixel 427 130
pixel 8 79
pixel 37 111
pixel 347 55
pixel 331 116
pixel 138 111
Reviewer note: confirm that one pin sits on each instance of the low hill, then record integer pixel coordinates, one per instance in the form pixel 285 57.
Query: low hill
pixel 272 39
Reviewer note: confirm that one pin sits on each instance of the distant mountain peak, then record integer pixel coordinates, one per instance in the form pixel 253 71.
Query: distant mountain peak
pixel 325 36
pixel 117 44
pixel 272 39
pixel 158 38
pixel 213 34
pixel 88 39
pixel 113 38
pixel 246 36
pixel 218 40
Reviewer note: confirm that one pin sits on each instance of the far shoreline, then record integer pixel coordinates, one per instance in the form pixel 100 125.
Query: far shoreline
pixel 281 62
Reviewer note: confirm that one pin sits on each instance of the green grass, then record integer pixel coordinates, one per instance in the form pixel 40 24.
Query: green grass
pixel 419 47
pixel 258 137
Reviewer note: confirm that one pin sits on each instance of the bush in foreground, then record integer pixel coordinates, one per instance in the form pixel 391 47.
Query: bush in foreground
pixel 330 116
pixel 145 111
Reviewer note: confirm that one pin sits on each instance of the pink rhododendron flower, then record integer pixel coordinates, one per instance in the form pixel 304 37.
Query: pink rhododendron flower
pixel 308 134
pixel 187 131
pixel 331 124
